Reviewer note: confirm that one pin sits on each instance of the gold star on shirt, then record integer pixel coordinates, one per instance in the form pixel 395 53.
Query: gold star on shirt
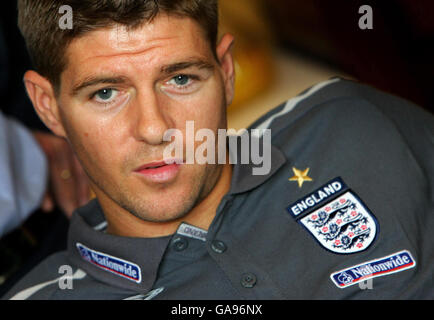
pixel 300 176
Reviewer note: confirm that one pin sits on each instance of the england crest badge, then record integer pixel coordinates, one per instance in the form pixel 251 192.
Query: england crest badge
pixel 342 225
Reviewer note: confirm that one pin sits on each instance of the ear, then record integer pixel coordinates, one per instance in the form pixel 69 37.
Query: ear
pixel 41 93
pixel 224 56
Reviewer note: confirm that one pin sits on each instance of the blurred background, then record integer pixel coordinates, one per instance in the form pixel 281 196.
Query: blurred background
pixel 282 47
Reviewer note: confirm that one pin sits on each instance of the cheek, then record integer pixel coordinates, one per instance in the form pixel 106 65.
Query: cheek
pixel 214 112
pixel 207 109
pixel 93 145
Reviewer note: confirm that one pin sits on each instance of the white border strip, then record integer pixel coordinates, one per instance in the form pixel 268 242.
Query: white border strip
pixel 291 105
pixel 25 294
pixel 100 226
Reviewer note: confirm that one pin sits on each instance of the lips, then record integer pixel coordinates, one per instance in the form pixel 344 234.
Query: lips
pixel 159 172
pixel 152 165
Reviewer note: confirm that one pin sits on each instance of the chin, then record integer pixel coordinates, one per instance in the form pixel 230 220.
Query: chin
pixel 163 213
pixel 163 206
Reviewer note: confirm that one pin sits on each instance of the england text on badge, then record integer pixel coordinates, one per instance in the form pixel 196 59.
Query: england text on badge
pixel 344 225
pixel 312 200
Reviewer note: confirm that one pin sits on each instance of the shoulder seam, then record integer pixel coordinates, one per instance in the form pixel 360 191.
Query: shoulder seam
pixel 290 105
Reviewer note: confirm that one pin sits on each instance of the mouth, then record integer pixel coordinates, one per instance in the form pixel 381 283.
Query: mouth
pixel 160 172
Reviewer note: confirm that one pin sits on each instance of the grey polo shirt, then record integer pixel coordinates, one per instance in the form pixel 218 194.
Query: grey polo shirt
pixel 346 212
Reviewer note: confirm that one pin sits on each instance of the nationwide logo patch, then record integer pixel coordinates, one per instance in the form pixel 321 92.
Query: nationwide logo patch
pixel 393 263
pixel 112 264
pixel 337 218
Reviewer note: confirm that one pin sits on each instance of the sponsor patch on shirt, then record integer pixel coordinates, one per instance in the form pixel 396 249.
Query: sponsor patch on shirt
pixel 120 267
pixel 393 263
pixel 337 218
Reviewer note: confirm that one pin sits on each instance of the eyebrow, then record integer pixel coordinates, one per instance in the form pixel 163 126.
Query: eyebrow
pixel 175 67
pixel 92 81
pixel 168 69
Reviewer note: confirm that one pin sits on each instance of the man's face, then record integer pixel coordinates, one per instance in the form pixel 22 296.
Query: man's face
pixel 121 91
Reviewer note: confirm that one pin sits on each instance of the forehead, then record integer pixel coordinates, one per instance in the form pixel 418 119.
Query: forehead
pixel 164 39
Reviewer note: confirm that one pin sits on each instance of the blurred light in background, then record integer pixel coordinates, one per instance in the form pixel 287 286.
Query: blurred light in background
pixel 284 46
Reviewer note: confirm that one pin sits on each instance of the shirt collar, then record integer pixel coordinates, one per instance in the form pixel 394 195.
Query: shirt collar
pixel 125 262
pixel 132 263
pixel 243 177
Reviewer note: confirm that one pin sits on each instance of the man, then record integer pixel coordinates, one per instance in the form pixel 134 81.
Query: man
pixel 347 199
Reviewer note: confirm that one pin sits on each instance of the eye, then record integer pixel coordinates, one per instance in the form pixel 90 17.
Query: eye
pixel 182 84
pixel 180 80
pixel 109 98
pixel 105 95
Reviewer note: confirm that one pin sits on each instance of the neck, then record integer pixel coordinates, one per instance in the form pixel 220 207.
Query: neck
pixel 200 216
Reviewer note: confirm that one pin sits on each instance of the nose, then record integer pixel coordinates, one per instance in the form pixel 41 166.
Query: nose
pixel 150 120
